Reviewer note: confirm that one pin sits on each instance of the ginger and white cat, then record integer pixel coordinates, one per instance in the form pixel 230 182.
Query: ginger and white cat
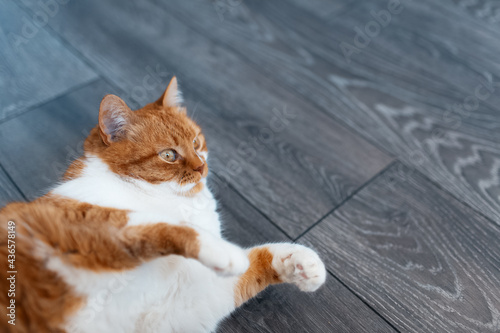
pixel 130 240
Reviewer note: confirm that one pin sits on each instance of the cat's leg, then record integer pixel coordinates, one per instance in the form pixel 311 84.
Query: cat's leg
pixel 269 264
pixel 103 245
pixel 159 239
pixel 279 263
pixel 130 246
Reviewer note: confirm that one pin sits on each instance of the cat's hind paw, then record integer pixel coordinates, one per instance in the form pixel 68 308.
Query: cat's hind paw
pixel 299 265
pixel 224 258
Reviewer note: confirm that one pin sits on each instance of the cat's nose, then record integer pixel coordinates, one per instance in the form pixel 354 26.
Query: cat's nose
pixel 200 168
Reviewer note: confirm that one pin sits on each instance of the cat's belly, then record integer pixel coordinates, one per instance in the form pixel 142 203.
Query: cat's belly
pixel 171 294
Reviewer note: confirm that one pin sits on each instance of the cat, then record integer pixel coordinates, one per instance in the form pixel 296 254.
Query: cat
pixel 130 239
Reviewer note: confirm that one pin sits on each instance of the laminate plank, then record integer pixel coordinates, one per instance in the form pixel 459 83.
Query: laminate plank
pixel 284 308
pixel 8 191
pixel 411 91
pixel 35 67
pixel 288 159
pixel 420 258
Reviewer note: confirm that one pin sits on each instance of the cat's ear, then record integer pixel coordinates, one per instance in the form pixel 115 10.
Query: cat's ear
pixel 114 115
pixel 172 97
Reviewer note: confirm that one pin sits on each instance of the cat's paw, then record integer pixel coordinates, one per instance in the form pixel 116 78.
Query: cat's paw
pixel 223 257
pixel 299 265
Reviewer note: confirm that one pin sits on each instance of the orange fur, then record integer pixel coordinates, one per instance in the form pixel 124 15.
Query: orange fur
pixel 75 170
pixel 43 299
pixel 259 275
pixel 81 235
pixel 148 131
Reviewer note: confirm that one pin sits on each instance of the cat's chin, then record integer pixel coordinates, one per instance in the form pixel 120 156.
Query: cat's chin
pixel 193 189
pixel 189 188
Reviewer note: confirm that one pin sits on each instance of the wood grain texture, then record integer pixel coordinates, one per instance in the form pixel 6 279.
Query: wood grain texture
pixel 327 9
pixel 310 163
pixel 421 259
pixel 411 91
pixel 484 10
pixel 284 308
pixel 35 66
pixel 8 191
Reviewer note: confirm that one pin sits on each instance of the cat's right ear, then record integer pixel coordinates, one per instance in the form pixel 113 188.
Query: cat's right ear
pixel 114 116
pixel 172 97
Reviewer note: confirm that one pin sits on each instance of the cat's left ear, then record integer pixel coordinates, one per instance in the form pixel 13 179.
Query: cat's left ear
pixel 172 97
pixel 114 118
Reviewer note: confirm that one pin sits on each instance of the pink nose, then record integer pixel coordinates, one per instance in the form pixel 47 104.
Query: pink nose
pixel 199 169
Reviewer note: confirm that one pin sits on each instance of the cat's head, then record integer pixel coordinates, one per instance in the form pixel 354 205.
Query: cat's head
pixel 158 143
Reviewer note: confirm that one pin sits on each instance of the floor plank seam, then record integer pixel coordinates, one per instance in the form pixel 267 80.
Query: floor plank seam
pixel 451 194
pixel 364 302
pixel 340 204
pixel 252 205
pixel 74 51
pixel 13 182
pixel 50 100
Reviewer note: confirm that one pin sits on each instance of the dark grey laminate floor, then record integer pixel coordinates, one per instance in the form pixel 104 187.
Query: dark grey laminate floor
pixel 386 161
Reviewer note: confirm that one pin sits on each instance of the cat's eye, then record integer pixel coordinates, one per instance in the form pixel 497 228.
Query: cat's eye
pixel 169 155
pixel 196 143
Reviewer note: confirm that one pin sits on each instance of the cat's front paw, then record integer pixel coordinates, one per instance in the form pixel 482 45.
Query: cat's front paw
pixel 299 265
pixel 221 256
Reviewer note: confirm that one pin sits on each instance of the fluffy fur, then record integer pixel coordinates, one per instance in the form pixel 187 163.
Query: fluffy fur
pixel 130 240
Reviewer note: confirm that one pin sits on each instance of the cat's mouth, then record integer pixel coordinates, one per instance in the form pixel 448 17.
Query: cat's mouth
pixel 194 178
pixel 192 181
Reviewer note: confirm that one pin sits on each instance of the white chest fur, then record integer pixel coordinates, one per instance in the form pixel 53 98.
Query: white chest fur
pixel 147 203
pixel 171 294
